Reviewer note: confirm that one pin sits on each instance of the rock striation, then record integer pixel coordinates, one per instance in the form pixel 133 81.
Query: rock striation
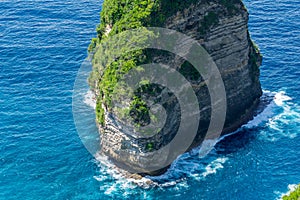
pixel 221 27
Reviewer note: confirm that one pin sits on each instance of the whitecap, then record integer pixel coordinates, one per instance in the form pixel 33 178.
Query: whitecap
pixel 291 188
pixel 286 113
pixel 90 99
pixel 193 164
pixel 214 166
pixel 280 98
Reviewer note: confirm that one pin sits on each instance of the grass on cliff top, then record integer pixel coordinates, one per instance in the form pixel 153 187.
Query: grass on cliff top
pixel 122 15
pixel 295 195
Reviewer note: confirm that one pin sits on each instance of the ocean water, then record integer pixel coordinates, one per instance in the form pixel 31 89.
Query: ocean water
pixel 42 46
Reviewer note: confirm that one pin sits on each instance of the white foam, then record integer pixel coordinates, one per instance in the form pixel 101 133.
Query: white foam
pixel 90 99
pixel 111 189
pixel 108 169
pixel 265 115
pixel 280 98
pixel 184 165
pixel 214 166
pixel 274 120
pixel 206 147
pixel 262 117
pixel 291 188
pixel 168 184
pixel 287 116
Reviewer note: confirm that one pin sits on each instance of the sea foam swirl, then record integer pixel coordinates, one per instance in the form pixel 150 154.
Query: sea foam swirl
pixel 191 165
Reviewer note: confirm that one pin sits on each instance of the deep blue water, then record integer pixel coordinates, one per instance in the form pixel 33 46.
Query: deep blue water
pixel 42 46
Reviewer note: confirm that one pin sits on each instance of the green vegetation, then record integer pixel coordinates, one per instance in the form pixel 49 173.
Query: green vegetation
pixel 229 4
pixel 139 111
pixel 257 50
pixel 121 15
pixel 167 8
pixel 150 146
pixel 99 112
pixel 189 72
pixel 209 20
pixel 295 195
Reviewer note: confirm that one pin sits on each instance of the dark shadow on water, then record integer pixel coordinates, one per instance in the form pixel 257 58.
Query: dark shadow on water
pixel 236 141
pixel 241 138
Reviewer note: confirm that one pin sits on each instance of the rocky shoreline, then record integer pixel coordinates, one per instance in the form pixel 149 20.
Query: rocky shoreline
pixel 222 29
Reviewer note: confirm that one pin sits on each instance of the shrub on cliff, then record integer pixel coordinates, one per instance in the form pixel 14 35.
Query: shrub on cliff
pixel 121 15
pixel 295 195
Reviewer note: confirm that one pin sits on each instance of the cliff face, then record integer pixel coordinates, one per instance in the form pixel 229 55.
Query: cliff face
pixel 221 27
pixel 228 41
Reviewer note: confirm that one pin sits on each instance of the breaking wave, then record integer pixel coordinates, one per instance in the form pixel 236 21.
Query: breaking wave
pixel 275 108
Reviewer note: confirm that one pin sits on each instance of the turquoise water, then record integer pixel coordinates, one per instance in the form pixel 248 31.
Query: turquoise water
pixel 42 46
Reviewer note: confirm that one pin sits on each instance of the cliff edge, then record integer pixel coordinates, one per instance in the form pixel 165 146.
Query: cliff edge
pixel 220 26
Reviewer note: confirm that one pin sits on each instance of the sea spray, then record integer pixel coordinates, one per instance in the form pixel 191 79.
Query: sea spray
pixel 192 164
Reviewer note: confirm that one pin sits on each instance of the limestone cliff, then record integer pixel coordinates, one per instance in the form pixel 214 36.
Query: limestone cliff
pixel 221 27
